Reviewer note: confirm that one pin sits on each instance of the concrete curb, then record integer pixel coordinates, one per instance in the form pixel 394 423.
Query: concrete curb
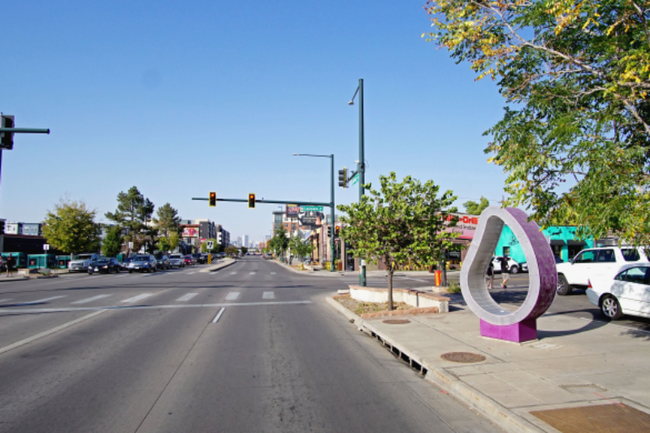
pixel 10 279
pixel 219 266
pixel 501 416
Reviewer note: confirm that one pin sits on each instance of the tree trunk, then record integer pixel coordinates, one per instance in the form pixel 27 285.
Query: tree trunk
pixel 390 288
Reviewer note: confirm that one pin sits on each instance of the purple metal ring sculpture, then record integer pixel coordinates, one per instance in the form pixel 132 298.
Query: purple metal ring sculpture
pixel 519 325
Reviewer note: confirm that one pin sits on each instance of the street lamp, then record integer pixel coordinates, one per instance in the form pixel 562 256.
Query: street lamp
pixel 361 168
pixel 331 200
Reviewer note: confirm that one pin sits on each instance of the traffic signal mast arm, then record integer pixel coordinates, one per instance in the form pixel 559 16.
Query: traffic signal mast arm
pixel 245 200
pixel 27 130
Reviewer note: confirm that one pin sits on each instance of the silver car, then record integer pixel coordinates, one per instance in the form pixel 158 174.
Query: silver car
pixel 176 260
pixel 143 263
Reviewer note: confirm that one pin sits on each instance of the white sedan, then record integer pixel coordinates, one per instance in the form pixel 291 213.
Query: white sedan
pixel 627 293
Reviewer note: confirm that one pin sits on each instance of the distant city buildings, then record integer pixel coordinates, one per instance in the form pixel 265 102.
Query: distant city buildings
pixel 195 232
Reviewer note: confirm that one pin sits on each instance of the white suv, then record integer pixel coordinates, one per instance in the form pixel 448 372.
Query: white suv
pixel 592 263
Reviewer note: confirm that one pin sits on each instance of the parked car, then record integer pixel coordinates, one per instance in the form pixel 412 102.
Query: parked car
pixel 125 263
pixel 143 263
pixel 104 265
pixel 627 293
pixel 176 260
pixel 163 262
pixel 80 262
pixel 198 258
pixel 524 265
pixel 513 266
pixel 603 262
pixel 189 260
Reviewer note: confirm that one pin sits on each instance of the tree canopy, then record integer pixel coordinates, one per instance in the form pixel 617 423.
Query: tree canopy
pixel 474 208
pixel 402 222
pixel 133 213
pixel 112 244
pixel 279 243
pixel 574 138
pixel 71 227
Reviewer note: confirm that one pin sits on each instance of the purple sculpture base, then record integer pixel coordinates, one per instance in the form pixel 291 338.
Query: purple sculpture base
pixel 525 330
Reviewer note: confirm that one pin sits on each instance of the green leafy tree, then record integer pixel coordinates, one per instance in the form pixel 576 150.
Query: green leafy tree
pixel 71 227
pixel 167 221
pixel 279 243
pixel 575 138
pixel 403 222
pixel 243 250
pixel 133 214
pixel 231 251
pixel 473 208
pixel 300 248
pixel 112 244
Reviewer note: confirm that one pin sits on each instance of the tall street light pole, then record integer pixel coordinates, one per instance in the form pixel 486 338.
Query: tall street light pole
pixel 333 222
pixel 361 167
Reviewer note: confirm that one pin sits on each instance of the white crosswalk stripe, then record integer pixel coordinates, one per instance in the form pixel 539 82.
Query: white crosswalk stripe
pixel 191 273
pixel 136 298
pixel 272 273
pixel 46 300
pixel 186 297
pixel 233 273
pixel 268 295
pixel 252 273
pixel 94 298
pixel 5 300
pixel 232 296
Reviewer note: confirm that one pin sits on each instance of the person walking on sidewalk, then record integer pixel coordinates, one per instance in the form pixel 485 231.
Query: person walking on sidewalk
pixel 10 266
pixel 505 271
pixel 489 276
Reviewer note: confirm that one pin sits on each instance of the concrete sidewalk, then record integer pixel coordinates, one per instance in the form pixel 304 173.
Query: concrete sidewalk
pixel 574 363
pixel 452 275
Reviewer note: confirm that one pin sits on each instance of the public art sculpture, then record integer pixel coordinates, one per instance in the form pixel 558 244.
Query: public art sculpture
pixel 520 325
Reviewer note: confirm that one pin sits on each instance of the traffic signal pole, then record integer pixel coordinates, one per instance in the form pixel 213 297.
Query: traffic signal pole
pixel 332 239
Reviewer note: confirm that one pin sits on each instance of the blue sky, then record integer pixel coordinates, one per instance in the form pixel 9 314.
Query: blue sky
pixel 183 98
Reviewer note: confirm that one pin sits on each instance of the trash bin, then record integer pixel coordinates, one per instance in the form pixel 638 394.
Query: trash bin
pixel 37 261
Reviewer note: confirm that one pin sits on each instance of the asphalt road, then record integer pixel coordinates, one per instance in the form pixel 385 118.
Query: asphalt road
pixel 250 348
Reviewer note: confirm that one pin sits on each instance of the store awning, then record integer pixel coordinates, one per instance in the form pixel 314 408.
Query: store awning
pixel 573 243
pixel 559 242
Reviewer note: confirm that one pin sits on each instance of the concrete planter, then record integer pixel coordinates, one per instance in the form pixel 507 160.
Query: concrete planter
pixel 415 298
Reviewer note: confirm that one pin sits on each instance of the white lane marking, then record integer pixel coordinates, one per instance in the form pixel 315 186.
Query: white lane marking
pixel 49 331
pixel 44 300
pixel 413 279
pixel 272 273
pixel 191 273
pixel 148 307
pixel 136 298
pixel 268 295
pixel 252 273
pixel 232 296
pixel 233 273
pixel 5 300
pixel 94 298
pixel 218 316
pixel 186 297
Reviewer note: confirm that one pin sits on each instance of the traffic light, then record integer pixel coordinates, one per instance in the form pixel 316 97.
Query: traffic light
pixel 251 200
pixel 329 232
pixel 213 199
pixel 343 178
pixel 7 138
pixel 338 229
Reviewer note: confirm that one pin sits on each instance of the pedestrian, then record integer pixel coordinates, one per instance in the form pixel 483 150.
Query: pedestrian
pixel 505 271
pixel 10 266
pixel 489 279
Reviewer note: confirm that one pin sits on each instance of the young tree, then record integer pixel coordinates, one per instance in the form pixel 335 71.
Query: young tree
pixel 300 248
pixel 575 140
pixel 473 208
pixel 132 215
pixel 279 243
pixel 243 250
pixel 112 244
pixel 403 222
pixel 71 227
pixel 231 251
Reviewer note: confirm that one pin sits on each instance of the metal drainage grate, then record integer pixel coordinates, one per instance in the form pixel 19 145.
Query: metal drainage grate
pixel 464 357
pixel 606 418
pixel 397 321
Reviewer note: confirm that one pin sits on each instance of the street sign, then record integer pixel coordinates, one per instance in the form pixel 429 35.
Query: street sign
pixel 355 179
pixel 210 244
pixel 46 247
pixel 311 208
pixel 130 245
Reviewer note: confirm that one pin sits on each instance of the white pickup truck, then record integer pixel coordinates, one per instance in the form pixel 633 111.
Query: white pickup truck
pixel 594 263
pixel 81 262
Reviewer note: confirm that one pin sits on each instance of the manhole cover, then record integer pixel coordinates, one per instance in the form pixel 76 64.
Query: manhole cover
pixel 397 321
pixel 465 357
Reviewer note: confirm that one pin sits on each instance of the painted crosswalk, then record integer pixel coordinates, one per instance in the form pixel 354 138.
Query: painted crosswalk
pixel 136 298
pixel 232 296
pixel 94 298
pixel 186 297
pixel 268 295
